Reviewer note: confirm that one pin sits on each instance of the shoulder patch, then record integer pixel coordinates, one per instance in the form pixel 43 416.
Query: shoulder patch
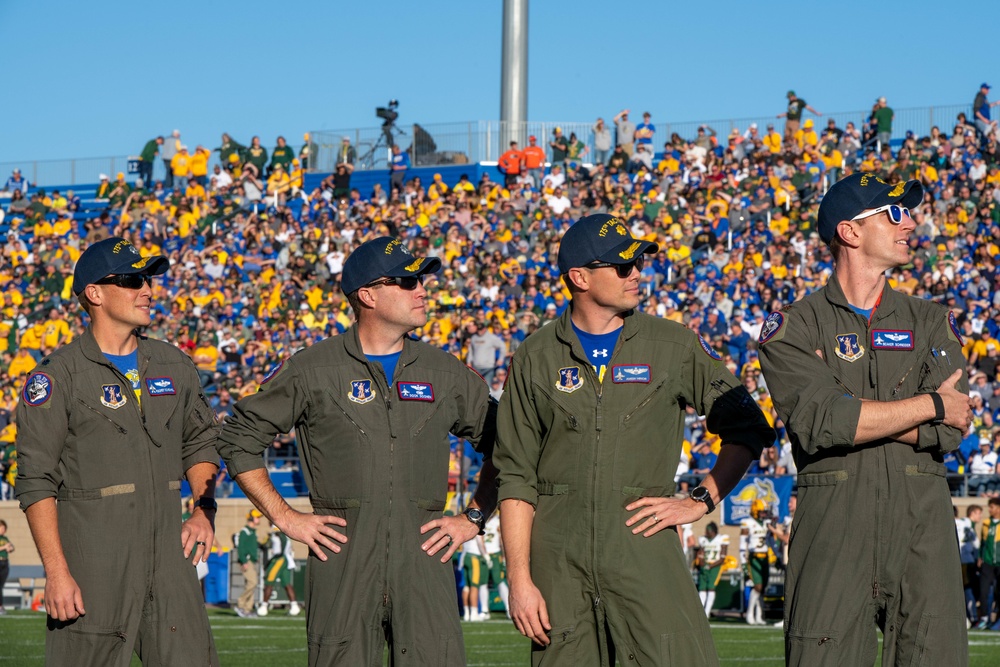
pixel 709 350
pixel 37 389
pixel 274 371
pixel 479 375
pixel 953 325
pixel 772 325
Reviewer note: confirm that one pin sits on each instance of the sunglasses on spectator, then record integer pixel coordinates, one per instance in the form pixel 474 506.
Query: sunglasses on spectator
pixel 896 213
pixel 408 283
pixel 623 270
pixel 127 280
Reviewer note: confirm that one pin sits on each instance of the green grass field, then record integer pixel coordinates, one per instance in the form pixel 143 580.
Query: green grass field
pixel 280 641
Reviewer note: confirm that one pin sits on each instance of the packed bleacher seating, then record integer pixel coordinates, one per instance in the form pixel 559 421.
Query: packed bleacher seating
pixel 255 258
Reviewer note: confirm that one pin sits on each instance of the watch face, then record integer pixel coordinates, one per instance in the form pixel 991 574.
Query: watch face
pixel 475 515
pixel 699 493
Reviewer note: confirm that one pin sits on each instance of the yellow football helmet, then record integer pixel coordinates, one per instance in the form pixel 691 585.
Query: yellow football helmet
pixel 758 508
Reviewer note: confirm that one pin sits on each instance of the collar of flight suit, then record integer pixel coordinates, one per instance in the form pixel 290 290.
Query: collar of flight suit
pixel 886 304
pixel 564 331
pixel 352 343
pixel 91 350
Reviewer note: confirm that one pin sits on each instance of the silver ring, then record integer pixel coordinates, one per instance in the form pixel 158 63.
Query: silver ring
pixel 200 542
pixel 655 520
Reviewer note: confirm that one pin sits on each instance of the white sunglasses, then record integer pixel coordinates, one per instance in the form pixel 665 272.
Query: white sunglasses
pixel 896 213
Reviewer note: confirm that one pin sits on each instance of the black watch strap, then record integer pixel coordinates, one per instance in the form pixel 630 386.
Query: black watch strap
pixel 207 503
pixel 701 495
pixel 477 517
pixel 938 409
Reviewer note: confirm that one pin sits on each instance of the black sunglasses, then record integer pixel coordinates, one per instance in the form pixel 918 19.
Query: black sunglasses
pixel 623 270
pixel 408 283
pixel 127 280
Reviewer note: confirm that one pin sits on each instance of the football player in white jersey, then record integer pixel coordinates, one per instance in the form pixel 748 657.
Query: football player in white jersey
pixel 754 554
pixel 712 551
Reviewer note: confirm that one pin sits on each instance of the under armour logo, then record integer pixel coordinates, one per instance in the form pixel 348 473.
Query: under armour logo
pixel 601 353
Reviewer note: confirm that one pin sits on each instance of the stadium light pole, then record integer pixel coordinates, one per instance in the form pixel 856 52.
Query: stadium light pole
pixel 513 75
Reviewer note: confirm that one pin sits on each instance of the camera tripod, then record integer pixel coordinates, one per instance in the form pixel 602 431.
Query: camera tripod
pixel 382 148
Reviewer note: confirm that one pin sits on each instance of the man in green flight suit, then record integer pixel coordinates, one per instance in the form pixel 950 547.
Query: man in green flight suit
pixel 108 425
pixel 589 435
pixel 871 386
pixel 372 410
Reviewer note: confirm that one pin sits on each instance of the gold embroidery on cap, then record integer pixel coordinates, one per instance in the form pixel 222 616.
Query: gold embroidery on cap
pixel 630 252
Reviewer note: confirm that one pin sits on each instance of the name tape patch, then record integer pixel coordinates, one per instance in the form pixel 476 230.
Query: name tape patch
pixel 415 391
pixel 160 386
pixel 892 339
pixel 629 373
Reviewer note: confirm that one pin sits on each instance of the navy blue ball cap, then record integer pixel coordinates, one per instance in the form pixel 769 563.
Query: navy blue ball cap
pixel 859 192
pixel 383 257
pixel 600 238
pixel 114 256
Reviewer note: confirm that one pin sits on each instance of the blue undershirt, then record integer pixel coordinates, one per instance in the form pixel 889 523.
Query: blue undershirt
pixel 867 314
pixel 598 347
pixel 128 365
pixel 388 362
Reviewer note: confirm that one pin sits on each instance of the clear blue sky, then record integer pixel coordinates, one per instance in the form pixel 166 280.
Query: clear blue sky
pixel 85 79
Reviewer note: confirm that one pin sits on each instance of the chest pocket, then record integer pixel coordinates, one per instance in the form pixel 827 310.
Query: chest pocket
pixel 165 419
pixel 339 452
pixel 103 445
pixel 563 440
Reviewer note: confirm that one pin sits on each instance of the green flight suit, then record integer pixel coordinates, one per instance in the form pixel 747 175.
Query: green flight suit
pixel 580 451
pixel 378 457
pixel 115 468
pixel 873 537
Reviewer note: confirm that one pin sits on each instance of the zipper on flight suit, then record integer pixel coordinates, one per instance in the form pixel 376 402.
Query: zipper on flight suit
pixel 121 429
pixel 598 425
pixel 392 455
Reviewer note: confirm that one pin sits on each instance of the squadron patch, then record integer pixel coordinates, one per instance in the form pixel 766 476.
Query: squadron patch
pixel 37 390
pixel 848 347
pixel 892 339
pixel 953 323
pixel 160 386
pixel 361 391
pixel 569 379
pixel 627 374
pixel 771 326
pixel 709 350
pixel 415 391
pixel 112 396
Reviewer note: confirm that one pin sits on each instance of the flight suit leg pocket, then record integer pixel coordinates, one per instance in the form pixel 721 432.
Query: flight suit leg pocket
pixel 562 651
pixel 691 648
pixel 331 651
pixel 76 644
pixel 940 640
pixel 812 648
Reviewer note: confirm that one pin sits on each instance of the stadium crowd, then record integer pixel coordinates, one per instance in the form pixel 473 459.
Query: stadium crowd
pixel 255 259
